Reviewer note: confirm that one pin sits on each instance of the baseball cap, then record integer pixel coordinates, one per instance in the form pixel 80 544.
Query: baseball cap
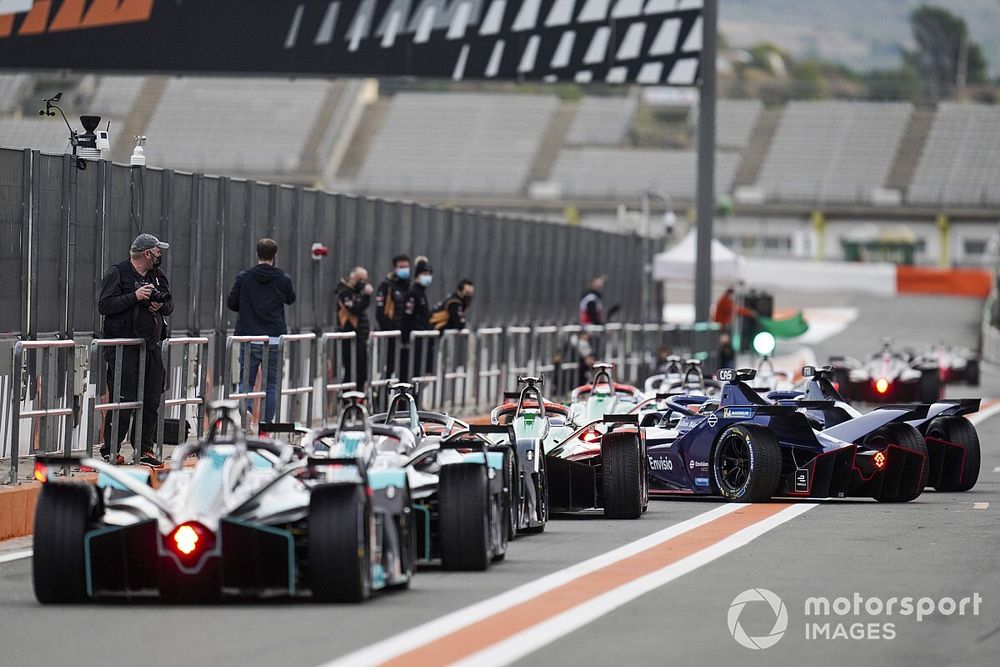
pixel 148 242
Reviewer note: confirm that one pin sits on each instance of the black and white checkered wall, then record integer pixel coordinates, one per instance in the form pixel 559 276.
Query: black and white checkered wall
pixel 613 41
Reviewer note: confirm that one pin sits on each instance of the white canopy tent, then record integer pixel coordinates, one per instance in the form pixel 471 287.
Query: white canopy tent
pixel 678 262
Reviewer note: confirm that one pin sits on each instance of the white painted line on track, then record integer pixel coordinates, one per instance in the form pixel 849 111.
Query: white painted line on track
pixel 980 506
pixel 520 645
pixel 15 555
pixel 581 614
pixel 447 624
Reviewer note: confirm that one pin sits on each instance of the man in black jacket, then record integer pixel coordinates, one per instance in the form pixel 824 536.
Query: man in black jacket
pixel 354 294
pixel 390 309
pixel 450 313
pixel 134 299
pixel 260 295
pixel 418 317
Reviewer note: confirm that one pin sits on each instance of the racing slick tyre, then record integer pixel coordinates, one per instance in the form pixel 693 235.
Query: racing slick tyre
pixel 510 498
pixel 746 464
pixel 930 385
pixel 961 432
pixel 621 476
pixel 62 516
pixel 972 372
pixel 541 482
pixel 340 518
pixel 907 437
pixel 464 523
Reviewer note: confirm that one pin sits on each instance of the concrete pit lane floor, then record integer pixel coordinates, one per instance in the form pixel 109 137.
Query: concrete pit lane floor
pixel 662 592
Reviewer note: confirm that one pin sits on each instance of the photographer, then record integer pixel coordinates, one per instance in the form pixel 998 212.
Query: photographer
pixel 134 299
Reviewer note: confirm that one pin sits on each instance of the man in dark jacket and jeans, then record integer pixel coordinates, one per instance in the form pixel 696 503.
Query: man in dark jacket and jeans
pixel 354 294
pixel 134 299
pixel 260 295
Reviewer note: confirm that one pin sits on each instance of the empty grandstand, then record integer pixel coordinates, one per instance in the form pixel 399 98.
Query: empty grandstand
pixel 453 144
pixel 242 125
pixel 833 151
pixel 960 163
pixel 602 121
pixel 734 122
pixel 623 174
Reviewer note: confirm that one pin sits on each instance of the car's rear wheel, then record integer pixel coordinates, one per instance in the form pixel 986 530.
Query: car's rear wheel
pixel 464 525
pixel 908 438
pixel 621 475
pixel 972 372
pixel 930 385
pixel 511 499
pixel 540 481
pixel 62 516
pixel 746 463
pixel 961 432
pixel 340 543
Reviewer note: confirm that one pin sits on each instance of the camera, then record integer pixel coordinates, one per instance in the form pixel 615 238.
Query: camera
pixel 158 295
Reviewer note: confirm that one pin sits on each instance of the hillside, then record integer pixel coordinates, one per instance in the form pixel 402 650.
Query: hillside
pixel 862 34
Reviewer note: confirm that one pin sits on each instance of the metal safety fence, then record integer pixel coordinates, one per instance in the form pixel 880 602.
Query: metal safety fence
pixel 465 373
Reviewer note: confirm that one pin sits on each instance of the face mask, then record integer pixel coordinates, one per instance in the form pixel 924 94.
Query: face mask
pixel 403 274
pixel 425 280
pixel 467 299
pixel 360 285
pixel 157 260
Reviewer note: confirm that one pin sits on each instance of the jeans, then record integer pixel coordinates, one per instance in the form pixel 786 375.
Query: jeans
pixel 256 357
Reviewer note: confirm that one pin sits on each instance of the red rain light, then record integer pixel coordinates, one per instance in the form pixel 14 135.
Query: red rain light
pixel 41 472
pixel 186 539
pixel 881 385
pixel 880 460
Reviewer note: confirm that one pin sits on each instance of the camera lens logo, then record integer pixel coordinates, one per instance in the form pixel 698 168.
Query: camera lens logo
pixel 780 618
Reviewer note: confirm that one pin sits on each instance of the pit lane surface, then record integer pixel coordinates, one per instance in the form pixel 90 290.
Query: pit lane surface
pixel 941 545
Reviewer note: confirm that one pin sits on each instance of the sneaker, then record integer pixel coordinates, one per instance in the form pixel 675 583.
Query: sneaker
pixel 149 459
pixel 119 459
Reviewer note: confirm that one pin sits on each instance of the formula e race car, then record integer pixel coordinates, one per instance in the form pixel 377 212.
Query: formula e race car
pixel 459 480
pixel 955 364
pixel 890 376
pixel 952 440
pixel 747 449
pixel 688 378
pixel 252 516
pixel 525 419
pixel 588 462
pixel 598 458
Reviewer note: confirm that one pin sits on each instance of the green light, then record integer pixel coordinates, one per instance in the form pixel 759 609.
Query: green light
pixel 763 343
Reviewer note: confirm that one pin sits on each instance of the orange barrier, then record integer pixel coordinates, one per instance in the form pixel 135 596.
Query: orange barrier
pixel 950 282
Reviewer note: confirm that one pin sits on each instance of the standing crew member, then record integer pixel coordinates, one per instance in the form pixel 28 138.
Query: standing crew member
pixel 418 315
pixel 390 309
pixel 450 313
pixel 134 299
pixel 592 303
pixel 259 296
pixel 354 294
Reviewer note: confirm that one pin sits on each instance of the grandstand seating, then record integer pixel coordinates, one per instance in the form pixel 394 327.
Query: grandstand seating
pixel 960 163
pixel 13 87
pixel 602 121
pixel 115 96
pixel 598 173
pixel 45 134
pixel 734 122
pixel 460 143
pixel 833 151
pixel 243 126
